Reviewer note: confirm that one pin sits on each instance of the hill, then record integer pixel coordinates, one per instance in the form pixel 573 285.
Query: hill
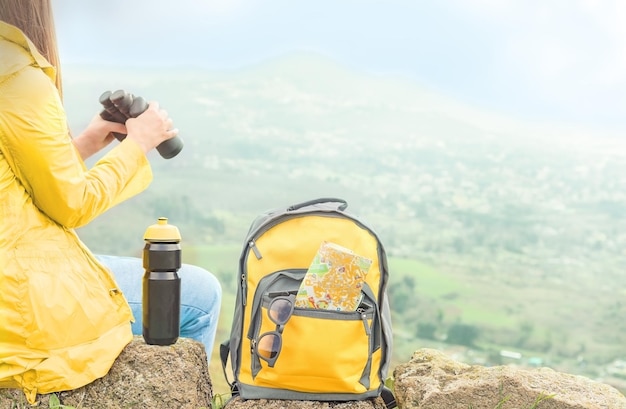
pixel 512 229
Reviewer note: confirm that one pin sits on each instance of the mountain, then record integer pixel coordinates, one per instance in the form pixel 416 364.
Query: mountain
pixel 523 223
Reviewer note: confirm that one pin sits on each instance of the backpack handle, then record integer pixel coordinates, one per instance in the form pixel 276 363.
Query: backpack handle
pixel 342 203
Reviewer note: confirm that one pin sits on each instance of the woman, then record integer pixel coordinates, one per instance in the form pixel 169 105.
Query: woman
pixel 65 314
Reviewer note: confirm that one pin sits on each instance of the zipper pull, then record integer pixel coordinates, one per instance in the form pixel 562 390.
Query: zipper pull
pixel 255 250
pixel 244 295
pixel 368 331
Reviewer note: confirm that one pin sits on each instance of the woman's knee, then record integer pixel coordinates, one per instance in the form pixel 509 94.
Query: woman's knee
pixel 200 288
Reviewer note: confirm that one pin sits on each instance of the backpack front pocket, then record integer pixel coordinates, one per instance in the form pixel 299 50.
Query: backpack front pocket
pixel 324 350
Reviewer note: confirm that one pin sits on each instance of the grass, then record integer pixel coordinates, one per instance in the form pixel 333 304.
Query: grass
pixel 218 401
pixel 21 403
pixel 54 403
pixel 429 280
pixel 476 314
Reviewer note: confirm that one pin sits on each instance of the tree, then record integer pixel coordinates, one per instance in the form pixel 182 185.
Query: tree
pixel 462 334
pixel 426 330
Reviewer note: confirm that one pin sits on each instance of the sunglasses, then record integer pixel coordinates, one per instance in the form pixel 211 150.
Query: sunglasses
pixel 268 344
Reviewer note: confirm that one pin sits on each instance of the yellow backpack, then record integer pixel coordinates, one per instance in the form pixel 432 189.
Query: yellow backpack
pixel 282 348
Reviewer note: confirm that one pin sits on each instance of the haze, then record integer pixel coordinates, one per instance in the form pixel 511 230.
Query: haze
pixel 557 61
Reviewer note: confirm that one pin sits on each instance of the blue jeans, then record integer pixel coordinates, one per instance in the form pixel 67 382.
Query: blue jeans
pixel 201 297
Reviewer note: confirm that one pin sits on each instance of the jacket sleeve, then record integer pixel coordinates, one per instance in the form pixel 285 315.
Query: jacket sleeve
pixel 36 142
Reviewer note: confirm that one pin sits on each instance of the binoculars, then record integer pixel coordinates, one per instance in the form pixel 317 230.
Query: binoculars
pixel 121 105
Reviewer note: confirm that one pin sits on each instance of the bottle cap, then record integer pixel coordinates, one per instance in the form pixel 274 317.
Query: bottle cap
pixel 161 231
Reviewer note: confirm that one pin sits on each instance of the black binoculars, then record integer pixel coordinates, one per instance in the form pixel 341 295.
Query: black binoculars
pixel 121 105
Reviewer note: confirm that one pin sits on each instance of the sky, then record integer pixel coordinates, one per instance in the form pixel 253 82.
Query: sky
pixel 560 61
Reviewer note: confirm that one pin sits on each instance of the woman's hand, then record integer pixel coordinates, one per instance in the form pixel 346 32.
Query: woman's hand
pixel 97 135
pixel 151 128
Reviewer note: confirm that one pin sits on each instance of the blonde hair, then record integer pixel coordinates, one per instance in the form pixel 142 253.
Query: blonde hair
pixel 35 19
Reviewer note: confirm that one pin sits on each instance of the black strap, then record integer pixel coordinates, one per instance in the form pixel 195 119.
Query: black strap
pixel 224 352
pixel 390 400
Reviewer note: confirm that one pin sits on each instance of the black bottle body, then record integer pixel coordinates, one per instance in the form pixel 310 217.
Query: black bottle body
pixel 161 293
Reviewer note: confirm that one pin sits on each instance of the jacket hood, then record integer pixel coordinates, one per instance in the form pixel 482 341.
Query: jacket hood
pixel 17 52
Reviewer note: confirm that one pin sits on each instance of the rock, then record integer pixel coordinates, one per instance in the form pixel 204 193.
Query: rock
pixel 238 403
pixel 143 376
pixel 431 380
pixel 146 376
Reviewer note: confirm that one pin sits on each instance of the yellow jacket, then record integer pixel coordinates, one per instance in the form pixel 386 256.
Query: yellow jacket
pixel 63 321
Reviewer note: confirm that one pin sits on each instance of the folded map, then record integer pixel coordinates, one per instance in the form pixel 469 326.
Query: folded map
pixel 334 279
